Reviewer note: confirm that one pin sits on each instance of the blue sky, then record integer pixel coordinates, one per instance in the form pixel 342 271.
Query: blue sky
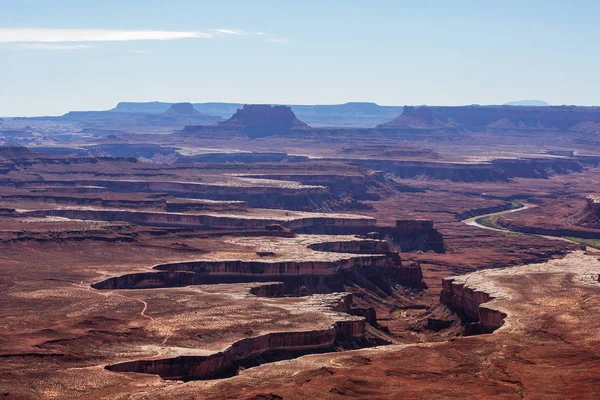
pixel 57 56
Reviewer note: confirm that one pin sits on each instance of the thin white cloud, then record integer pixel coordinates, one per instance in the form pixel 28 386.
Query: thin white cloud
pixel 278 40
pixel 53 46
pixel 237 32
pixel 230 32
pixel 43 35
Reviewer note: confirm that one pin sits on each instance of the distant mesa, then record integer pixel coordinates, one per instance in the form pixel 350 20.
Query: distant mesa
pixel 154 107
pixel 258 120
pixel 182 110
pixel 359 114
pixel 528 103
pixel 497 119
pixel 415 118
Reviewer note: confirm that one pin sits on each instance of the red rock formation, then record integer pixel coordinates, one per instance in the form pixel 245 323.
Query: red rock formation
pixel 184 205
pixel 181 109
pixel 415 118
pixel 413 234
pixel 287 195
pixel 224 363
pixel 259 120
pixel 470 302
pixel 276 289
pixel 209 220
pixel 353 246
pixel 590 215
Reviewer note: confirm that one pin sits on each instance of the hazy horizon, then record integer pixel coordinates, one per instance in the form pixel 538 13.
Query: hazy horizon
pixel 288 104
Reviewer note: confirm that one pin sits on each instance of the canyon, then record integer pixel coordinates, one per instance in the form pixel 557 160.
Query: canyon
pixel 223 250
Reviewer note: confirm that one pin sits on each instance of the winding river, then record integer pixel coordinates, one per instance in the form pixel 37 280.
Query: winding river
pixel 524 206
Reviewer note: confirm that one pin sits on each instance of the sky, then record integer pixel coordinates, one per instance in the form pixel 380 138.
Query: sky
pixel 62 55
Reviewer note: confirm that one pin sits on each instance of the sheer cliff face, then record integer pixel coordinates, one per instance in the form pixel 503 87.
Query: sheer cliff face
pixel 259 120
pixel 593 203
pixel 477 118
pixel 589 217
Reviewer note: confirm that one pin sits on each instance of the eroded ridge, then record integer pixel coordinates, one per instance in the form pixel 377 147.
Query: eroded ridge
pixel 492 298
pixel 257 219
pixel 323 264
pixel 251 351
pixel 312 264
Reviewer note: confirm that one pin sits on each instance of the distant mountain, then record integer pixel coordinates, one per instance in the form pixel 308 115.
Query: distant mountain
pixel 154 107
pixel 257 120
pixel 498 118
pixel 415 118
pixel 181 110
pixel 528 103
pixel 358 114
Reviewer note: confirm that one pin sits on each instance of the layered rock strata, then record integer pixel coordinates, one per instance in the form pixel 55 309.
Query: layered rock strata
pixel 589 217
pixel 225 363
pixel 264 193
pixel 492 298
pixel 469 301
pixel 210 221
pixel 311 273
pixel 500 169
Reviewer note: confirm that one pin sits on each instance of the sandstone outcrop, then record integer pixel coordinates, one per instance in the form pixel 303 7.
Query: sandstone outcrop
pixel 276 289
pixel 589 217
pixel 257 120
pixel 246 351
pixel 373 265
pixel 413 118
pixel 413 234
pixel 187 205
pixel 317 277
pixel 470 302
pixel 263 193
pixel 294 221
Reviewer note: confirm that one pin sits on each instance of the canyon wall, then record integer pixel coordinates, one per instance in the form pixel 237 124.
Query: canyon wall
pixel 184 205
pixel 225 363
pixel 275 289
pixel 381 271
pixel 593 205
pixel 362 246
pixel 500 169
pixel 412 235
pixel 471 303
pixel 589 216
pixel 200 221
pixel 275 268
